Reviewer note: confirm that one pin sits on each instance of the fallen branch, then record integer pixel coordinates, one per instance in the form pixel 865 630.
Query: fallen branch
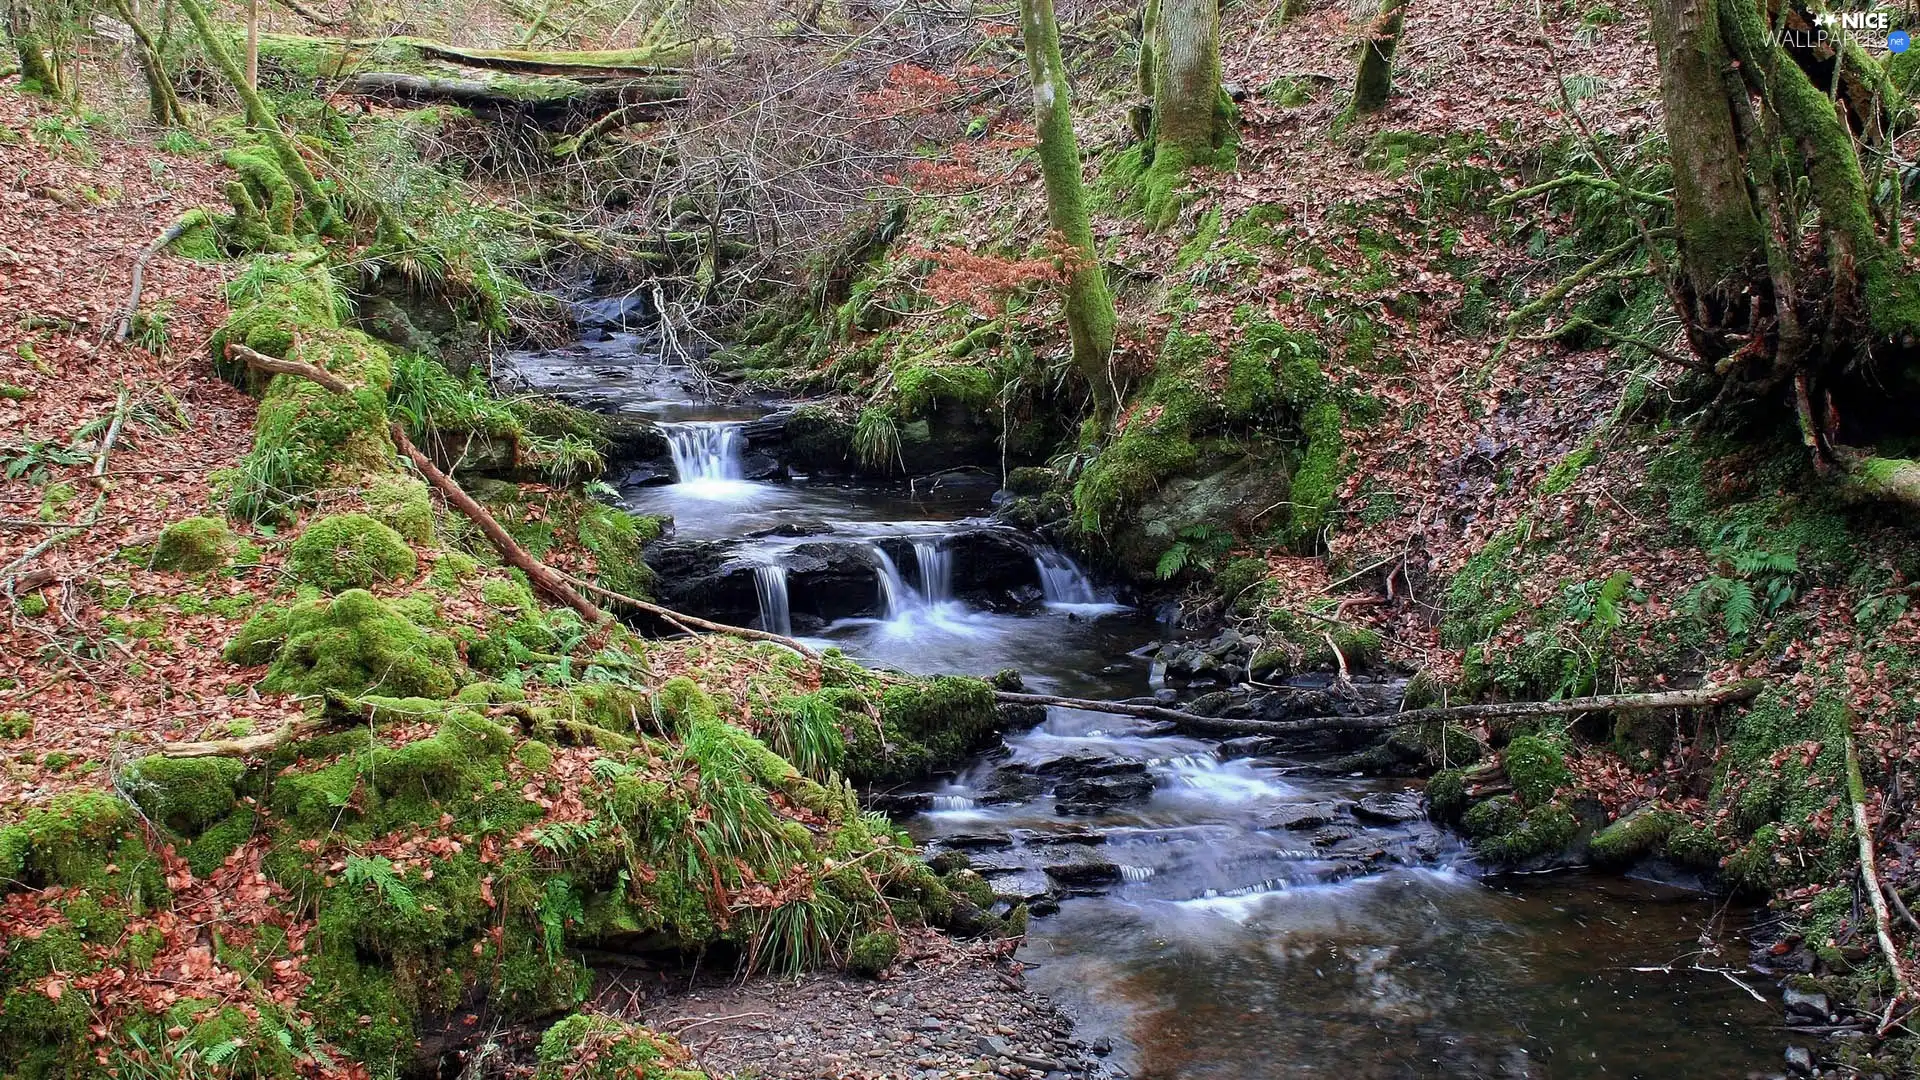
pixel 132 309
pixel 1705 696
pixel 689 624
pixel 245 745
pixel 318 18
pixel 1870 875
pixel 1581 179
pixel 543 577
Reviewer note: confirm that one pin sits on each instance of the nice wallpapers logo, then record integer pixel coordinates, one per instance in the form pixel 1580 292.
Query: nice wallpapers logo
pixel 1868 29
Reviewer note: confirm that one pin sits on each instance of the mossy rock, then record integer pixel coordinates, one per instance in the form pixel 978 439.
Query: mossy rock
pixel 402 503
pixel 349 551
pixel 347 646
pixel 1506 832
pixel 184 794
pixel 923 725
pixel 873 953
pixel 194 545
pixel 1633 837
pixel 1536 768
pixel 592 1046
pixel 84 840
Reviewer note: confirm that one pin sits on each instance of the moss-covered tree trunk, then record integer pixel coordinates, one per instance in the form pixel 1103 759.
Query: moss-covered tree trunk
pixel 1374 83
pixel 262 120
pixel 1789 286
pixel 1090 317
pixel 163 103
pixel 38 73
pixel 1190 120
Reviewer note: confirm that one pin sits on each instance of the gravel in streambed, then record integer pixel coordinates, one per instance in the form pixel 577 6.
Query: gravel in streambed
pixel 946 1011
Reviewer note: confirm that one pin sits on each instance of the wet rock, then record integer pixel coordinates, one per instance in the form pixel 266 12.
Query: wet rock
pixel 901 802
pixel 972 841
pixel 648 473
pixel 1095 794
pixel 613 312
pixel 1391 807
pixel 761 467
pixel 1799 1061
pixel 1012 785
pixel 636 439
pixel 1085 837
pixel 1304 816
pixel 1806 1005
pixel 1333 834
pixel 1082 763
pixel 1024 887
pixel 1078 866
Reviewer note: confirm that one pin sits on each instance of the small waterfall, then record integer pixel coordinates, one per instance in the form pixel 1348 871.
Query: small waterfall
pixel 770 585
pixel 953 802
pixel 1062 581
pixel 1135 873
pixel 899 596
pixel 704 450
pixel 936 569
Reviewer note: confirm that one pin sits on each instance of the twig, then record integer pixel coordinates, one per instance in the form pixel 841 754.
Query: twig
pixel 132 307
pixel 1870 874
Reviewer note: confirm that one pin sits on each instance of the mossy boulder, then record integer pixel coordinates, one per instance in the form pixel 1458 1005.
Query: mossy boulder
pixel 1633 837
pixel 184 794
pixel 1506 832
pixel 349 551
pixel 86 840
pixel 1536 768
pixel 347 646
pixel 921 726
pixel 402 504
pixel 194 545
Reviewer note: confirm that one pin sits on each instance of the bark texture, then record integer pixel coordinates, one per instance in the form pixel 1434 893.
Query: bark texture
pixel 1090 317
pixel 1373 85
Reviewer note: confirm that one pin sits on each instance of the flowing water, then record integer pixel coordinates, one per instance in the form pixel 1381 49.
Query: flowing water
pixel 1231 916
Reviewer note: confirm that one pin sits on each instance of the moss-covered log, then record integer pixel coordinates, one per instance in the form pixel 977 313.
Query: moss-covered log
pixel 38 74
pixel 545 102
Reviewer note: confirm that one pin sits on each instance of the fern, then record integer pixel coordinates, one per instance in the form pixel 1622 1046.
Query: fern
pixel 379 872
pixel 563 838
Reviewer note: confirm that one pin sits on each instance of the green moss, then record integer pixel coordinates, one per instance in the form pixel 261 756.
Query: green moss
pixel 590 1046
pixel 194 545
pixel 345 647
pixel 1505 831
pixel 15 724
pixel 85 840
pixel 921 726
pixel 184 794
pixel 873 953
pixel 1536 768
pixel 349 551
pixel 403 504
pixel 32 605
pixel 1634 836
pixel 1447 794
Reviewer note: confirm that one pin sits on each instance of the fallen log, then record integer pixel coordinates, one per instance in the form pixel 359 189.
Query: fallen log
pixel 557 103
pixel 626 62
pixel 1191 723
pixel 245 745
pixel 123 328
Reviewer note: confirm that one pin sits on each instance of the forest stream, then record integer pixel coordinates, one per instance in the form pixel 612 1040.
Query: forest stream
pixel 1203 908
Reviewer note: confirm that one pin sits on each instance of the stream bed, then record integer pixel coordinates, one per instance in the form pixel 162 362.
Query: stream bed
pixel 1207 910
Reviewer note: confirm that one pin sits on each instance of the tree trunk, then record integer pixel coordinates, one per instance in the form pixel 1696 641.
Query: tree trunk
pixel 1090 317
pixel 1190 124
pixel 262 120
pixel 38 73
pixel 162 102
pixel 253 44
pixel 1787 288
pixel 1374 84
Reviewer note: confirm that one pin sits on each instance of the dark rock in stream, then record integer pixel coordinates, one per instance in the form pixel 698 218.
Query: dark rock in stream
pixel 1096 794
pixel 1304 816
pixel 628 312
pixel 1080 867
pixel 1078 764
pixel 1391 807
pixel 1023 887
pixel 648 473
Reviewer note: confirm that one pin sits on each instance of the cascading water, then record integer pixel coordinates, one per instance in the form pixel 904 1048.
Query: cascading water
pixel 936 569
pixel 770 585
pixel 705 451
pixel 1062 581
pixel 894 590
